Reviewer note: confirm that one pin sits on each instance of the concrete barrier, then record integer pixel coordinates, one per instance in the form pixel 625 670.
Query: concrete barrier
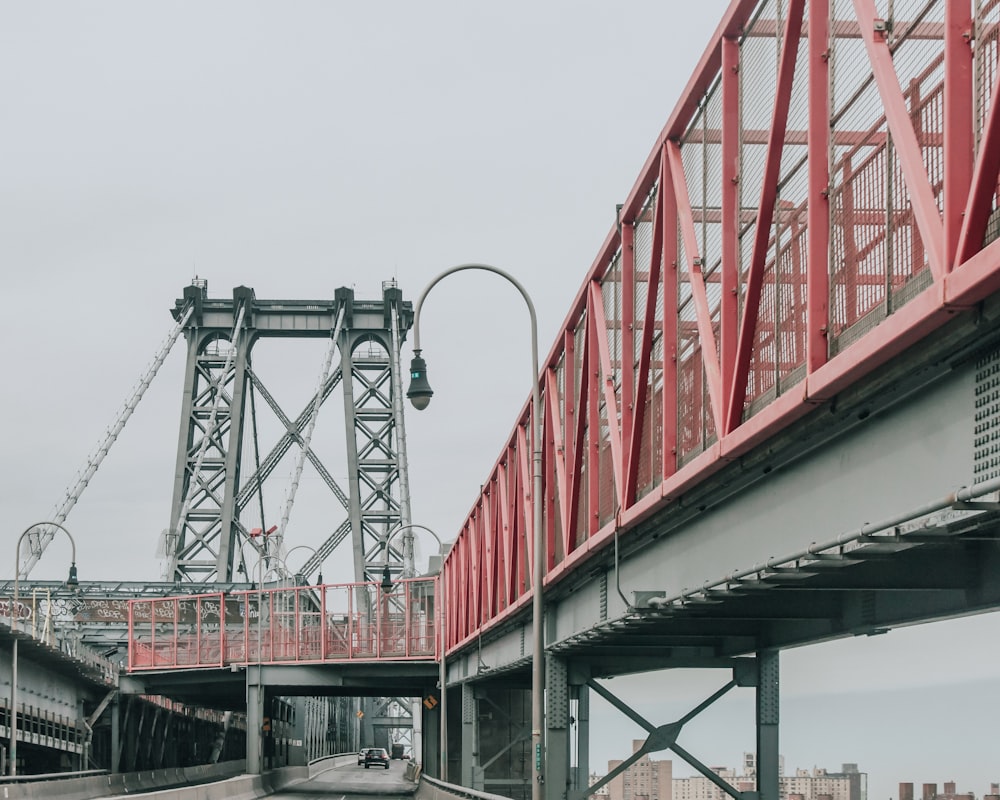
pixel 125 783
pixel 326 763
pixel 433 789
pixel 224 781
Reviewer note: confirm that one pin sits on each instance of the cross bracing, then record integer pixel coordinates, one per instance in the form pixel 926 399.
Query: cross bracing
pixel 221 466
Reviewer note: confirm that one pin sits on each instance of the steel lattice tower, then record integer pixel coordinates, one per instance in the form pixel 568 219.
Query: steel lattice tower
pixel 205 535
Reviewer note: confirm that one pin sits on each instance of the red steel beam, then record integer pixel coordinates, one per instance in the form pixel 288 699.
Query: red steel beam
pixel 907 148
pixel 818 210
pixel 710 358
pixel 765 209
pixel 958 135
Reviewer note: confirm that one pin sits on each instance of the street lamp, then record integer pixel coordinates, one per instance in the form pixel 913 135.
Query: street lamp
pixel 319 576
pixel 420 394
pixel 409 570
pixel 72 582
pixel 442 668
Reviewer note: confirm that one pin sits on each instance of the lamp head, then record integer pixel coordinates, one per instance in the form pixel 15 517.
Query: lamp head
pixel 420 390
pixel 386 580
pixel 72 581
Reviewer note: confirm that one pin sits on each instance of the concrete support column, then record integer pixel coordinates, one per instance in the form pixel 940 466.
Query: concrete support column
pixel 472 774
pixel 767 724
pixel 255 722
pixel 429 754
pixel 557 733
pixel 368 724
pixel 417 736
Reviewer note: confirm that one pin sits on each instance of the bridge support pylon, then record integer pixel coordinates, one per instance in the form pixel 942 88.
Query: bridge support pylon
pixel 567 701
pixel 767 725
pixel 255 722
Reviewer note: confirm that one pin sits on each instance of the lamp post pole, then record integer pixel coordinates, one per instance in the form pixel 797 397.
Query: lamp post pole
pixel 420 395
pixel 71 581
pixel 261 574
pixel 442 667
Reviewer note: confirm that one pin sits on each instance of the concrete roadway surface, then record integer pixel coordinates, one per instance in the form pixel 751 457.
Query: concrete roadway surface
pixel 341 783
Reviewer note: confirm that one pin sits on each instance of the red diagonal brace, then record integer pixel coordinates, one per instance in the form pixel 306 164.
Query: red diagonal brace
pixel 765 212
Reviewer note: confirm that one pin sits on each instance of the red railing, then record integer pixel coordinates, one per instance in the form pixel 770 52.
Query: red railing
pixel 303 624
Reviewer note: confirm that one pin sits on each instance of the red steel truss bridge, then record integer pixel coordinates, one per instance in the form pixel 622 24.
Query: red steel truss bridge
pixel 770 418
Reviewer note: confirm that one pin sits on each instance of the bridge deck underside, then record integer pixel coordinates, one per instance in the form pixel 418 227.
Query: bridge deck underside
pixel 226 689
pixel 883 581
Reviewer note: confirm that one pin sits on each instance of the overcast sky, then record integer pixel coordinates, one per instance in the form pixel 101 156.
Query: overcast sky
pixel 300 147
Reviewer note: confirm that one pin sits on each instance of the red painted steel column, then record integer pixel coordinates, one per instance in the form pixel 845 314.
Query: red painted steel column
pixel 818 208
pixel 765 213
pixel 323 624
pixel 131 634
pixel 626 363
pixel 984 183
pixel 568 433
pixel 578 445
pixel 729 314
pixel 699 294
pixel 197 630
pixel 177 644
pixel 592 364
pixel 607 369
pixel 925 209
pixel 298 625
pixel 958 134
pixel 670 289
pixel 642 426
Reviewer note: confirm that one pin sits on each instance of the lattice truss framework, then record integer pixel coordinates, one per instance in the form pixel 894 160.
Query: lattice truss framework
pixel 824 194
pixel 206 538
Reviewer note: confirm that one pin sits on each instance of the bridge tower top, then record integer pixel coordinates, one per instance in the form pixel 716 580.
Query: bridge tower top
pixel 206 538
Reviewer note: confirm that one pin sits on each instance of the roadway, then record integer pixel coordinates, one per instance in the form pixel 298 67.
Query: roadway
pixel 351 780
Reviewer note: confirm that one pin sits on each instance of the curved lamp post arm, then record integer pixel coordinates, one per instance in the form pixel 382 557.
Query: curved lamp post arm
pixel 420 394
pixel 488 268
pixel 71 581
pixel 399 529
pixel 304 547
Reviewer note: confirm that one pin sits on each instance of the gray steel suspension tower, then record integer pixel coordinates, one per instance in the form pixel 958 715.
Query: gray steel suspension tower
pixel 205 535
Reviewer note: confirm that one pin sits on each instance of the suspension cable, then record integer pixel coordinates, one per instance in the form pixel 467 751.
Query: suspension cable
pixel 46 534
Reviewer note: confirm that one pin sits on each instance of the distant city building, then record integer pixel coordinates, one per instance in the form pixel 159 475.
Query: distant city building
pixel 594 778
pixel 701 788
pixel 929 792
pixel 646 779
pixel 650 779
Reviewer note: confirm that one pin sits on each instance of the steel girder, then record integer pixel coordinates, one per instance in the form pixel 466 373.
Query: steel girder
pixel 822 198
pixel 205 530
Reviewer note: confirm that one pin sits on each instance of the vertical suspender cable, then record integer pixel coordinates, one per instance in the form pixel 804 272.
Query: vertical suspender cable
pixel 94 461
pixel 404 471
pixel 256 458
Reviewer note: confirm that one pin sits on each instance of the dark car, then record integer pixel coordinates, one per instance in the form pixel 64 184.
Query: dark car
pixel 376 755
